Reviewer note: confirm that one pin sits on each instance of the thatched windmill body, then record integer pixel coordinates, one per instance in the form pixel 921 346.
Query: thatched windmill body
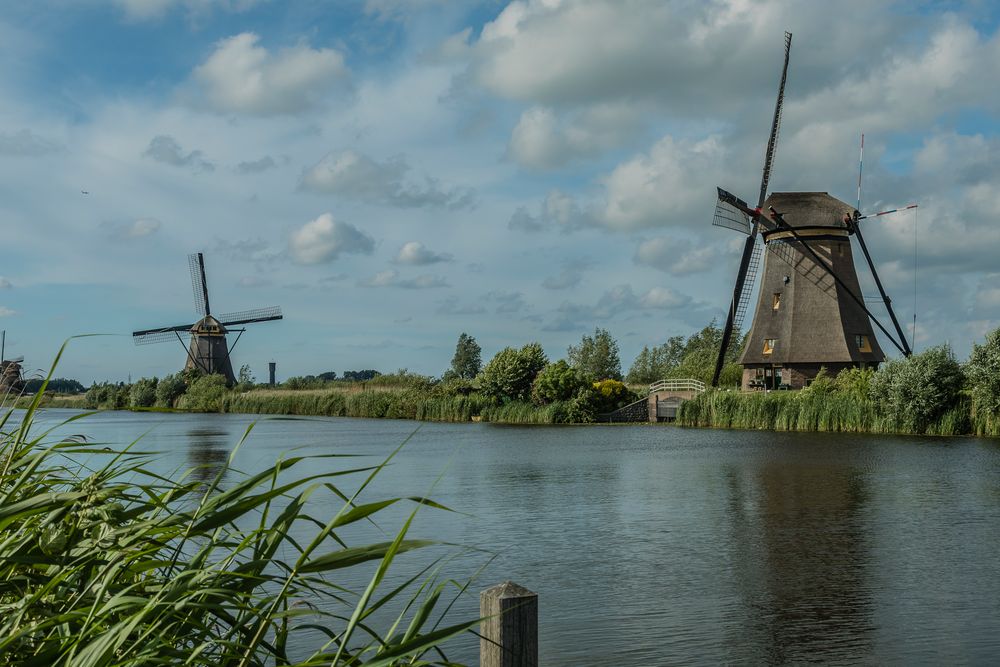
pixel 208 349
pixel 810 311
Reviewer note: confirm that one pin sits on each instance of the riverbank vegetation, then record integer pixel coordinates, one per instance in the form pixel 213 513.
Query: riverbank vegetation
pixel 107 562
pixel 928 393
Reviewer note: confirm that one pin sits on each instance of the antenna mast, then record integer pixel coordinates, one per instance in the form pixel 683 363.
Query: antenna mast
pixel 861 166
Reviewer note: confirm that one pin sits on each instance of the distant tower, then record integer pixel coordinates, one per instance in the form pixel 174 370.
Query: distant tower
pixel 270 372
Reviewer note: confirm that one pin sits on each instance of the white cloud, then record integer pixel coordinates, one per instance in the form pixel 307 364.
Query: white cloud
pixel 451 306
pixel 417 254
pixel 242 77
pixel 325 239
pixel 6 312
pixel 558 211
pixel 663 298
pixel 136 229
pixel 666 187
pixel 25 143
pixel 5 283
pixel 390 278
pixel 164 148
pixel 351 174
pixel 676 256
pixel 256 166
pixel 542 141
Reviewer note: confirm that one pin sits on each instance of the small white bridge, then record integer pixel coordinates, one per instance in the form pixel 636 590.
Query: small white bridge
pixel 661 402
pixel 666 396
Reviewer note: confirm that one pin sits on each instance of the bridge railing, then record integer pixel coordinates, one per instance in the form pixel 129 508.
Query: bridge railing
pixel 677 385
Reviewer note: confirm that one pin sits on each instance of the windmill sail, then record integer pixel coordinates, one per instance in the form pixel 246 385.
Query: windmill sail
pixel 740 293
pixel 267 314
pixel 196 262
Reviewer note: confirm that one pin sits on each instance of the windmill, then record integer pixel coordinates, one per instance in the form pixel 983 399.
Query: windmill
pixel 810 313
pixel 11 375
pixel 207 350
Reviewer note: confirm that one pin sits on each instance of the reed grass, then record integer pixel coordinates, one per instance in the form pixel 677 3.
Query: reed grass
pixel 838 412
pixel 522 412
pixel 392 404
pixel 104 562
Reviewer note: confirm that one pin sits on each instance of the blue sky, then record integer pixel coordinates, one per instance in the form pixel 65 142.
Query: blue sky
pixel 395 172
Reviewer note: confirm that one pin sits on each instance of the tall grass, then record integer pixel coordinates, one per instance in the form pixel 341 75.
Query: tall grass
pixel 401 404
pixel 104 562
pixel 810 411
pixel 522 412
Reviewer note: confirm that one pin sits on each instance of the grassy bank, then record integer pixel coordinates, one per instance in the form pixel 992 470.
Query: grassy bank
pixel 375 404
pixel 73 401
pixel 815 411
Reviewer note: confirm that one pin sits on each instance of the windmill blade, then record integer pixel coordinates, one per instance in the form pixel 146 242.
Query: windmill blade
pixel 881 213
pixel 731 212
pixel 196 262
pixel 159 335
pixel 251 316
pixel 772 141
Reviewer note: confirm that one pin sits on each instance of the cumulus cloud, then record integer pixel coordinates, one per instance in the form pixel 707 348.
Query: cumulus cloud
pixel 256 166
pixel 146 10
pixel 351 174
pixel 135 229
pixel 253 281
pixel 541 140
pixel 417 254
pixel 507 302
pixel 676 256
pixel 164 148
pixel 243 77
pixel 391 278
pixel 452 306
pixel 616 302
pixel 325 239
pixel 25 143
pixel 558 211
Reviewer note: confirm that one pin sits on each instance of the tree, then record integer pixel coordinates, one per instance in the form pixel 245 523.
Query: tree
pixel 205 394
pixel 245 375
pixel 467 361
pixel 657 362
pixel 983 371
pixel 510 374
pixel 557 382
pixel 914 392
pixel 143 393
pixel 169 389
pixel 596 356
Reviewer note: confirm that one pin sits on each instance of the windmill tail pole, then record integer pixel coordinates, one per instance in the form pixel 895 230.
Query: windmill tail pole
pixel 881 290
pixel 861 167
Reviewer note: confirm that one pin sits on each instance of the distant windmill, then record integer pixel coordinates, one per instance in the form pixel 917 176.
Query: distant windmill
pixel 208 350
pixel 810 311
pixel 11 374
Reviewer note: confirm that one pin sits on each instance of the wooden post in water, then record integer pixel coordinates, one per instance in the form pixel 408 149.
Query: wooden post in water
pixel 510 631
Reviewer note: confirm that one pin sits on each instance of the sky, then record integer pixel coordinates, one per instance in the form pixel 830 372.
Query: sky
pixel 393 173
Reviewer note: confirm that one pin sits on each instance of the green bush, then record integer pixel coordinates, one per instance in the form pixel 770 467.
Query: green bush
pixel 557 382
pixel 509 375
pixel 205 394
pixel 913 392
pixel 983 372
pixel 143 393
pixel 169 389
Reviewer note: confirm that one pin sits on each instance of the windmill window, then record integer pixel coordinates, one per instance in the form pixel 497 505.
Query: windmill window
pixel 776 302
pixel 769 345
pixel 862 343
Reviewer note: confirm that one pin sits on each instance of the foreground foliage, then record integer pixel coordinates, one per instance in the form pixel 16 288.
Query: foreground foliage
pixel 104 562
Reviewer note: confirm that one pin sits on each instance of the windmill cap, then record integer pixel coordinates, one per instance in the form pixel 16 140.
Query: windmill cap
pixel 810 209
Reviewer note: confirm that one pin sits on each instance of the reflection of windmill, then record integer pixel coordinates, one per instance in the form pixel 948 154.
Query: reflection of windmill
pixel 11 375
pixel 810 312
pixel 208 350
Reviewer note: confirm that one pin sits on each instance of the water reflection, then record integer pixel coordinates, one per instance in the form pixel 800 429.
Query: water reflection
pixel 802 554
pixel 207 452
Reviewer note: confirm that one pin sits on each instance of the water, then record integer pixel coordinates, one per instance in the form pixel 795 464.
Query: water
pixel 660 545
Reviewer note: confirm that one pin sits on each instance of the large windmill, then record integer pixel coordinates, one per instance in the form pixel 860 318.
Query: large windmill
pixel 810 312
pixel 208 349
